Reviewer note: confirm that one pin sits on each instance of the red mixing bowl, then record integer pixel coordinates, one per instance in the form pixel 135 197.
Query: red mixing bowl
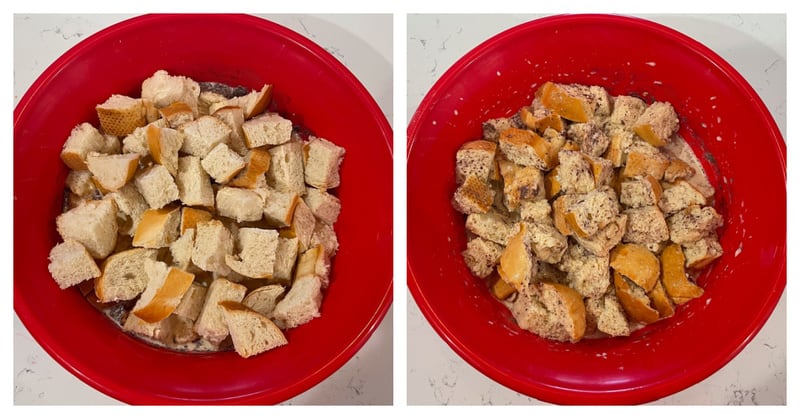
pixel 311 88
pixel 723 120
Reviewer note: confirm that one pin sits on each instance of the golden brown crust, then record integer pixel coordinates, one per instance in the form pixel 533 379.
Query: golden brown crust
pixel 167 297
pixel 576 310
pixel 257 164
pixel 190 217
pixel 555 98
pixel 677 285
pixel 637 263
pixel 637 309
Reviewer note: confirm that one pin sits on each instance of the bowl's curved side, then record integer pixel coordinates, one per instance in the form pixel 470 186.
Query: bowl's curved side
pixel 498 77
pixel 314 90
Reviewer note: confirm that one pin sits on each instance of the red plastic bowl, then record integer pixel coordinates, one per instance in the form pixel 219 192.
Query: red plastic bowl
pixel 726 124
pixel 310 87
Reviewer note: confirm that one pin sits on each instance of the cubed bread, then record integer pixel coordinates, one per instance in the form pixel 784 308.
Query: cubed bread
pixel 222 163
pixel 164 144
pixel 537 211
pixel 481 256
pixel 693 223
pixel 181 250
pixel 266 130
pixel 164 89
pixel 70 264
pixel 285 258
pixel 538 118
pixel 264 299
pixel 639 163
pixel 192 302
pixel 627 109
pixel 92 224
pixel 158 227
pixel 208 98
pixel 546 242
pixel 156 186
pixel 240 204
pixel 302 226
pixel 112 171
pixel 492 226
pixel 657 124
pixel 606 238
pixel 82 140
pixel 314 262
pixel 80 183
pixel 590 136
pixel 233 117
pixel 257 250
pixel 322 162
pixel 645 225
pixel 203 134
pixel 160 331
pixel 678 196
pixel 474 196
pixel 279 207
pixel 213 241
pixel 301 304
pixel 678 169
pixel 475 158
pixel 552 311
pixel 607 315
pixel 131 204
pixel 526 148
pixel 136 142
pixel 165 288
pixel 575 174
pixel 252 103
pixel 641 191
pixel 177 114
pixel 324 206
pixel 592 211
pixel 252 333
pixel 518 264
pixel 702 252
pixel 210 322
pixel 493 127
pixel 194 184
pixel 257 163
pixel 521 183
pixel 587 273
pixel 619 142
pixel 119 115
pixel 123 277
pixel 602 169
pixel 285 172
pixel 190 217
pixel 325 235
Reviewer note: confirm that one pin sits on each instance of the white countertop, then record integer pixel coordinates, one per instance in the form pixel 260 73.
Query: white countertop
pixel 364 45
pixel 756 46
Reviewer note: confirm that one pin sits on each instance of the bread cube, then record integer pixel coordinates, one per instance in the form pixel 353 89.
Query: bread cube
pixel 70 264
pixel 475 158
pixel 257 163
pixel 203 134
pixel 164 89
pixel 257 250
pixel 158 227
pixel 92 224
pixel 575 174
pixel 252 103
pixel 212 242
pixel 222 163
pixel 324 206
pixel 194 184
pixel 546 242
pixel 539 118
pixel 233 116
pixel 536 211
pixel 493 127
pixel 627 109
pixel 82 140
pixel 279 207
pixel 322 163
pixel 693 223
pixel 600 243
pixel 590 136
pixel 113 171
pixel 702 252
pixel 657 124
pixel 119 115
pixel 132 204
pixel 267 129
pixel 646 225
pixel 473 196
pixel 164 144
pixel 481 256
pixel 586 273
pixel 181 250
pixel 285 172
pixel 210 322
pixel 678 196
pixel 124 277
pixel 641 191
pixel 527 148
pixel 492 226
pixel 285 258
pixel 592 211
pixel 156 186
pixel 192 302
pixel 301 304
pixel 177 114
pixel 239 204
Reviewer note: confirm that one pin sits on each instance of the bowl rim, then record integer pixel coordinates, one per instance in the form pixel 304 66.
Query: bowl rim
pixel 575 395
pixel 39 330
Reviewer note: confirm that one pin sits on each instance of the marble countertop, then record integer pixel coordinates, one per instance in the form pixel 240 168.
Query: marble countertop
pixel 756 46
pixel 364 45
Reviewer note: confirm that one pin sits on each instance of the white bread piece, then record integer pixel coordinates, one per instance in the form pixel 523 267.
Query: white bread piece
pixel 546 242
pixel 112 171
pixel 156 186
pixel 208 98
pixel 678 196
pixel 92 224
pixel 252 333
pixel 302 226
pixel 136 142
pixel 158 227
pixel 190 217
pixel 252 103
pixel 590 136
pixel 702 252
pixel 267 129
pixel 552 311
pixel 163 89
pixel 586 273
pixel 257 251
pixel 322 163
pixel 285 172
pixel 645 225
pixel 301 304
pixel 264 299
pixel 575 172
pixel 192 302
pixel 181 250
pixel 257 163
pixel 326 236
pixel 203 134
pixel 482 256
pixel 592 211
pixel 474 196
pixel 210 323
pixel 475 158
pixel 213 241
pixel 82 140
pixel 233 117
pixel 537 211
pixel 177 114
pixel 112 144
pixel 119 115
pixel 194 184
pixel 607 315
pixel 627 109
pixel 160 331
pixel 222 163
pixel 641 191
pixel 657 123
pixel 240 204
pixel 693 223
pixel 285 258
pixel 326 207
pixel 314 262
pixel 164 291
pixel 492 226
pixel 164 144
pixel 279 207
pixel 80 183
pixel 123 276
pixel 601 243
pixel 70 264
pixel 130 203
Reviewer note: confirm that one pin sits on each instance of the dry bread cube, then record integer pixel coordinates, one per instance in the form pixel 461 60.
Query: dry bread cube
pixel 209 98
pixel 123 277
pixel 702 252
pixel 213 241
pixel 136 142
pixel 322 163
pixel 267 129
pixel 239 204
pixel 546 242
pixel 119 115
pixel 301 304
pixel 526 148
pixel 657 124
pixel 113 171
pixel 257 249
pixel 606 238
pixel 257 163
pixel 251 332
pixel 164 144
pixel 92 224
pixel 203 134
pixel 190 217
pixel 474 196
pixel 492 226
pixel 279 207
pixel 590 136
pixel 285 172
pixel 156 186
pixel 536 211
pixel 640 192
pixel 607 315
pixel 285 258
pixel 693 223
pixel 302 226
pixel 158 227
pixel 210 322
pixel 177 114
pixel 493 127
pixel 264 299
pixel 475 158
pixel 192 302
pixel 324 206
pixel 80 183
pixel 164 89
pixel 481 256
pixel 325 235
pixel 82 140
pixel 181 250
pixel 678 196
pixel 314 262
pixel 165 288
pixel 222 163
pixel 627 109
pixel 194 184
pixel 252 103
pixel 586 273
pixel 575 174
pixel 233 116
pixel 70 264
pixel 131 204
pixel 646 225
pixel 592 211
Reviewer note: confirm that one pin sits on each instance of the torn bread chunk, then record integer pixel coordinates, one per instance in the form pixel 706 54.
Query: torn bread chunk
pixel 257 163
pixel 181 250
pixel 164 291
pixel 252 333
pixel 203 134
pixel 164 144
pixel 518 264
pixel 475 158
pixel 157 186
pixel 285 258
pixel 592 211
pixel 575 173
pixel 257 250
pixel 112 171
pixel 575 102
pixel 190 217
pixel 222 163
pixel 192 302
pixel 240 204
pixel 537 211
pixel 80 183
pixel 302 226
pixel 164 89
pixel 252 103
pixel 285 172
pixel 82 140
pixel 322 162
pixel 619 142
pixel 481 256
pixel 693 223
pixel 123 276
pixel 325 235
pixel 130 203
pixel 627 109
pixel 92 224
pixel 70 264
pixel 136 142
pixel 213 241
pixel 267 130
pixel 301 304
pixel 314 262
pixel 539 118
pixel 606 238
pixel 119 115
pixel 177 114
pixel 546 242
pixel 264 299
pixel 641 163
pixel 520 183
pixel 641 191
pixel 587 273
pixel 607 315
pixel 645 225
pixel 210 322
pixel 657 124
pixel 493 127
pixel 158 227
pixel 194 184
pixel 279 207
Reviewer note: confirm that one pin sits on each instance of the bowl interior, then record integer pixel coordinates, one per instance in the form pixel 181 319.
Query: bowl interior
pixel 722 119
pixel 312 89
